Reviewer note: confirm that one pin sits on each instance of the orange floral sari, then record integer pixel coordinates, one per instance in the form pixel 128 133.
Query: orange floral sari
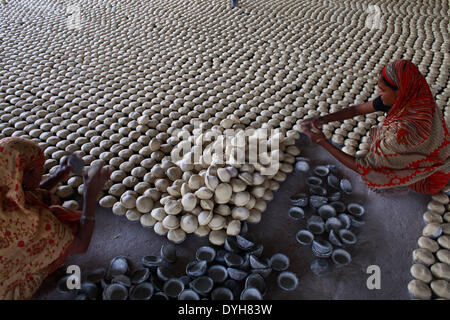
pixel 35 232
pixel 411 148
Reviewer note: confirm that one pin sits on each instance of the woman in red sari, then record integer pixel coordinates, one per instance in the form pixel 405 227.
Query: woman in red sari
pixel 36 233
pixel 411 148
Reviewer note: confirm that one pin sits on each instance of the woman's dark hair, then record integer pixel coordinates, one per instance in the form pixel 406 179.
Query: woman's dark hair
pixel 387 82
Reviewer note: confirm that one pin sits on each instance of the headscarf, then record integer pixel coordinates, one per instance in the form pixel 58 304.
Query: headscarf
pixel 411 147
pixel 34 239
pixel 17 156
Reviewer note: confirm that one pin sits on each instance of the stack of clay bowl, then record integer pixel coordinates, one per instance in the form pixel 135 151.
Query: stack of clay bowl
pixel 237 273
pixel 153 280
pixel 121 103
pixel 327 215
pixel 209 197
pixel 431 268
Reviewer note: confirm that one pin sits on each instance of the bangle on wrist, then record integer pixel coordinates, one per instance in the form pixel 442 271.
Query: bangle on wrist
pixel 89 192
pixel 318 140
pixel 89 218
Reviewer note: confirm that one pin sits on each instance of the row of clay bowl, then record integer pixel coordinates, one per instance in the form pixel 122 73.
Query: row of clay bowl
pixel 237 273
pixel 211 198
pixel 431 268
pixel 327 215
pixel 277 80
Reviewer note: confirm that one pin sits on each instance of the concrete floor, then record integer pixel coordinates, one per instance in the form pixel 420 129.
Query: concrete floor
pixel 393 225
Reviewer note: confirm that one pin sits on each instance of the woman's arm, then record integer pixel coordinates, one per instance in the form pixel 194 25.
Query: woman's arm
pixel 342 157
pixel 311 128
pixel 60 175
pixel 318 137
pixel 87 223
pixel 54 179
pixel 86 226
pixel 347 113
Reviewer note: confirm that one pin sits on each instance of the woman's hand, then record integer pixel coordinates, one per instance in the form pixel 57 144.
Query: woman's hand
pixel 314 133
pixel 60 175
pixel 64 170
pixel 307 123
pixel 95 182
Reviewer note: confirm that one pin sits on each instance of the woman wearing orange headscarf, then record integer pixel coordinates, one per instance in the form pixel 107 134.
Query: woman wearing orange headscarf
pixel 411 148
pixel 36 233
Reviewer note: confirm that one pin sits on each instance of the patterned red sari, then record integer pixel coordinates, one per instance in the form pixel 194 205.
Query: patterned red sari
pixel 411 148
pixel 35 232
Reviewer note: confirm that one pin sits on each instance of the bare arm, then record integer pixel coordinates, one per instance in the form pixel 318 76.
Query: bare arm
pixel 312 130
pixel 342 157
pixel 53 180
pixel 59 176
pixel 318 137
pixel 86 227
pixel 347 113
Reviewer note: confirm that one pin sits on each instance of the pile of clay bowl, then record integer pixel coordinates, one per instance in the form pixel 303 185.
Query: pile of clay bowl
pixel 327 215
pixel 283 77
pixel 431 268
pixel 237 272
pixel 153 280
pixel 95 113
pixel 212 197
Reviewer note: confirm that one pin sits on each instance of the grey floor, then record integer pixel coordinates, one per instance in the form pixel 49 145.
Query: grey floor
pixel 393 225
